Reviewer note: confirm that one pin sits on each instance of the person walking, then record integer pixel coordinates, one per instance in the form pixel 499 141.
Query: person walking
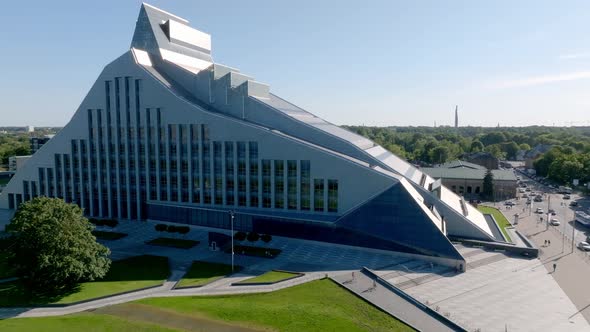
pixel 554 267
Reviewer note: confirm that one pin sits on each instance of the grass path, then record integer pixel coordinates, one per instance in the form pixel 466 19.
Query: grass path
pixel 202 273
pixel 86 322
pixel 270 276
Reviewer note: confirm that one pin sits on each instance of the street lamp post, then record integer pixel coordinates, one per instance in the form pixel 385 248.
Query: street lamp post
pixel 231 213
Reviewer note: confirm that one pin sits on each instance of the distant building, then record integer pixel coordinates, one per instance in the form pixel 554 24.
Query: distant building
pixel 30 129
pixel 466 179
pixel 482 158
pixel 17 162
pixel 37 142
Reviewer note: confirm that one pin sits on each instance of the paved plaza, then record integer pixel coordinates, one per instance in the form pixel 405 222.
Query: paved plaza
pixel 497 293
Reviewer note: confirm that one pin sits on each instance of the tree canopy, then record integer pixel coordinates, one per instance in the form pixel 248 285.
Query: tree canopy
pixel 53 246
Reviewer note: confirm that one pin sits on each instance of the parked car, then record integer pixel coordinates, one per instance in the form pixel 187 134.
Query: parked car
pixel 539 211
pixel 509 203
pixel 573 203
pixel 585 246
pixel 552 212
pixel 538 199
pixel 528 189
pixel 521 190
pixel 566 197
pixel 554 222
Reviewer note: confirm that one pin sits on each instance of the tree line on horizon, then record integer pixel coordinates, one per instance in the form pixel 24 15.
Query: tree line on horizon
pixel 568 159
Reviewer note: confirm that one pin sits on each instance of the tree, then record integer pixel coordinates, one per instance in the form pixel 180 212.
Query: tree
pixel 54 248
pixel 524 147
pixel 476 146
pixel 510 148
pixel 439 154
pixel 488 185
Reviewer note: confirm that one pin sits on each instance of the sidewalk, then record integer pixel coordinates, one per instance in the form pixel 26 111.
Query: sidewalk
pixel 572 273
pixel 388 301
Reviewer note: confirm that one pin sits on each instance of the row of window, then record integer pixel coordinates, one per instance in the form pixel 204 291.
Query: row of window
pixel 120 167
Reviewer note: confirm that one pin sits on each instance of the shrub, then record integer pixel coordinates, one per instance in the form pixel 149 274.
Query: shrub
pixel 172 229
pixel 161 227
pixel 266 238
pixel 240 236
pixel 253 237
pixel 110 222
pixel 183 229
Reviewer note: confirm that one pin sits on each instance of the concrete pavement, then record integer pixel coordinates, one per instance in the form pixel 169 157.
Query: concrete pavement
pixel 384 298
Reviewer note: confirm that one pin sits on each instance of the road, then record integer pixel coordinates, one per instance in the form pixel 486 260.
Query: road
pixel 572 265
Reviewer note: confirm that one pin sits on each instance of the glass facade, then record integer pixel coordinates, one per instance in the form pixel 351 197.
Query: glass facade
pixel 131 159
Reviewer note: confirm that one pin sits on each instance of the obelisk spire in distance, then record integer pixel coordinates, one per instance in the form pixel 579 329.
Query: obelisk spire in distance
pixel 456 116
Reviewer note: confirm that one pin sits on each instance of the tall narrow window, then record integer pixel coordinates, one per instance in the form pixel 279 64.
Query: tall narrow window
pixel 332 195
pixel 266 183
pixel 305 181
pixel 292 184
pixel 279 184
pixel 254 190
pixel 318 195
pixel 229 173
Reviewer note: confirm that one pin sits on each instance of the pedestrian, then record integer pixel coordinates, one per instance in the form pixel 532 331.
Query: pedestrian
pixel 374 284
pixel 352 275
pixel 549 242
pixel 554 266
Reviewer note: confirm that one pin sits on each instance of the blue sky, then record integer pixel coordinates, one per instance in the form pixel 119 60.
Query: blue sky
pixel 350 62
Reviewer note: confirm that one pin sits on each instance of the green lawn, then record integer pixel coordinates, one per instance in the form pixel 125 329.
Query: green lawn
pixel 270 276
pixel 102 235
pixel 319 305
pixel 500 219
pixel 202 273
pixel 125 275
pixel 86 322
pixel 174 243
pixel 255 251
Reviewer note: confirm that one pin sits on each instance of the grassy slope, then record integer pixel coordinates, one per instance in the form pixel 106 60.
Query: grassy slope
pixel 500 219
pixel 78 322
pixel 270 276
pixel 316 306
pixel 202 273
pixel 129 274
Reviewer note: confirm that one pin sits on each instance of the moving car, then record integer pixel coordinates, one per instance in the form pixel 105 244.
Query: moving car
pixel 566 196
pixel 539 210
pixel 552 212
pixel 584 246
pixel 509 203
pixel 573 203
pixel 538 199
pixel 554 222
pixel 521 190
